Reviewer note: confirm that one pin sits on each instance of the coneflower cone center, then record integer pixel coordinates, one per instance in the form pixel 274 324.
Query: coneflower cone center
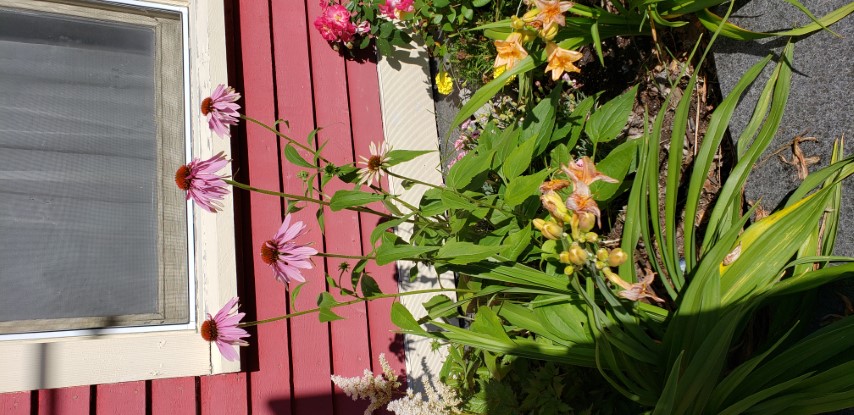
pixel 207 106
pixel 374 163
pixel 209 330
pixel 182 178
pixel 269 254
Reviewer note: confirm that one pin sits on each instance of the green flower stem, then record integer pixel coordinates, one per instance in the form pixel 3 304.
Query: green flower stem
pixel 346 303
pixel 470 199
pixel 328 255
pixel 282 135
pixel 304 198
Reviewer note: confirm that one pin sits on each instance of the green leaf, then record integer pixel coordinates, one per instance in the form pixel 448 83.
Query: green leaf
pixel 440 306
pixel 487 322
pixel 453 200
pixel 464 171
pixel 578 119
pixel 597 41
pixel 293 156
pixel 382 227
pixel 344 199
pixel 384 47
pixel 607 121
pixel 456 252
pixel 320 220
pixel 295 294
pixel 540 121
pixel 523 187
pixel 401 317
pixel 479 3
pixel 616 165
pixel 441 3
pixel 486 92
pixel 325 302
pixel 390 253
pixel 519 160
pixel 515 243
pixel 395 157
pixel 369 286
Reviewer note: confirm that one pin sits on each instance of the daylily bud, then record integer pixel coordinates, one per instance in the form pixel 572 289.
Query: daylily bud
pixel 531 15
pixel 602 254
pixel 599 265
pixel 516 23
pixel 615 279
pixel 577 255
pixel 555 205
pixel 552 231
pixel 538 224
pixel 591 237
pixel 527 35
pixel 549 33
pixel 586 221
pixel 569 270
pixel 617 257
pixel 564 257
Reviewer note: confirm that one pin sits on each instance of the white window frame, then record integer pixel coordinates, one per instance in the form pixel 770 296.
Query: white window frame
pixel 86 357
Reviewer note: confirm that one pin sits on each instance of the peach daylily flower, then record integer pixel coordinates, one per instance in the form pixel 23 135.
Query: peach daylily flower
pixel 551 12
pixel 583 171
pixel 510 51
pixel 561 60
pixel 641 289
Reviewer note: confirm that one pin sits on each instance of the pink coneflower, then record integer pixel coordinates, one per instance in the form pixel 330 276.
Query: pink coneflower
pixel 221 110
pixel 202 183
pixel 374 165
pixel 284 255
pixel 222 329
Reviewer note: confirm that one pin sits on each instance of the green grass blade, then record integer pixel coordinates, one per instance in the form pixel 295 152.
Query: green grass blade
pixel 665 404
pixel 705 156
pixel 674 169
pixel 730 195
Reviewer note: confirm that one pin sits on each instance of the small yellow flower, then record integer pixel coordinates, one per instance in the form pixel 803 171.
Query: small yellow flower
pixel 444 82
pixel 561 60
pixel 496 72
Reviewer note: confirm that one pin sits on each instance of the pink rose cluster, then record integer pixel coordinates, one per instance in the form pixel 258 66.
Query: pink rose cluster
pixel 394 8
pixel 335 24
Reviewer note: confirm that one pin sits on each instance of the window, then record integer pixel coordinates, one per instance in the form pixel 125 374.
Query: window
pixel 101 259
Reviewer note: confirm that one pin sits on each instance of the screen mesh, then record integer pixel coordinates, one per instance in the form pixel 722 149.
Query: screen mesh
pixel 81 153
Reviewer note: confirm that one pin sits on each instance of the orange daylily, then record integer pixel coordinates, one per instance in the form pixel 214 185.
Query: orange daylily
pixel 551 12
pixel 561 60
pixel 510 51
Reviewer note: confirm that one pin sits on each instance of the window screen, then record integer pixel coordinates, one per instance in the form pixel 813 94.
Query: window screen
pixel 91 121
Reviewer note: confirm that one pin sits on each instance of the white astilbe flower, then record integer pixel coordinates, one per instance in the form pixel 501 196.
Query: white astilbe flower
pixel 440 401
pixel 378 389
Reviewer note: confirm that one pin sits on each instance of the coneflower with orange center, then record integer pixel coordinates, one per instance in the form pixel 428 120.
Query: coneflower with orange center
pixel 222 329
pixel 221 109
pixel 200 180
pixel 284 255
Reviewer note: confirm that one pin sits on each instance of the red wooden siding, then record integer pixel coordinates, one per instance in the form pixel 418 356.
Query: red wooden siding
pixel 284 70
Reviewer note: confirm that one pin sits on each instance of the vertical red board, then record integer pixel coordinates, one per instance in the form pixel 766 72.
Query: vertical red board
pixel 120 399
pixel 173 396
pixel 15 403
pixel 66 401
pixel 366 115
pixel 223 394
pixel 270 386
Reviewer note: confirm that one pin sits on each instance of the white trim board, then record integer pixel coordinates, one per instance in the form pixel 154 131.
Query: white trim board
pixel 409 123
